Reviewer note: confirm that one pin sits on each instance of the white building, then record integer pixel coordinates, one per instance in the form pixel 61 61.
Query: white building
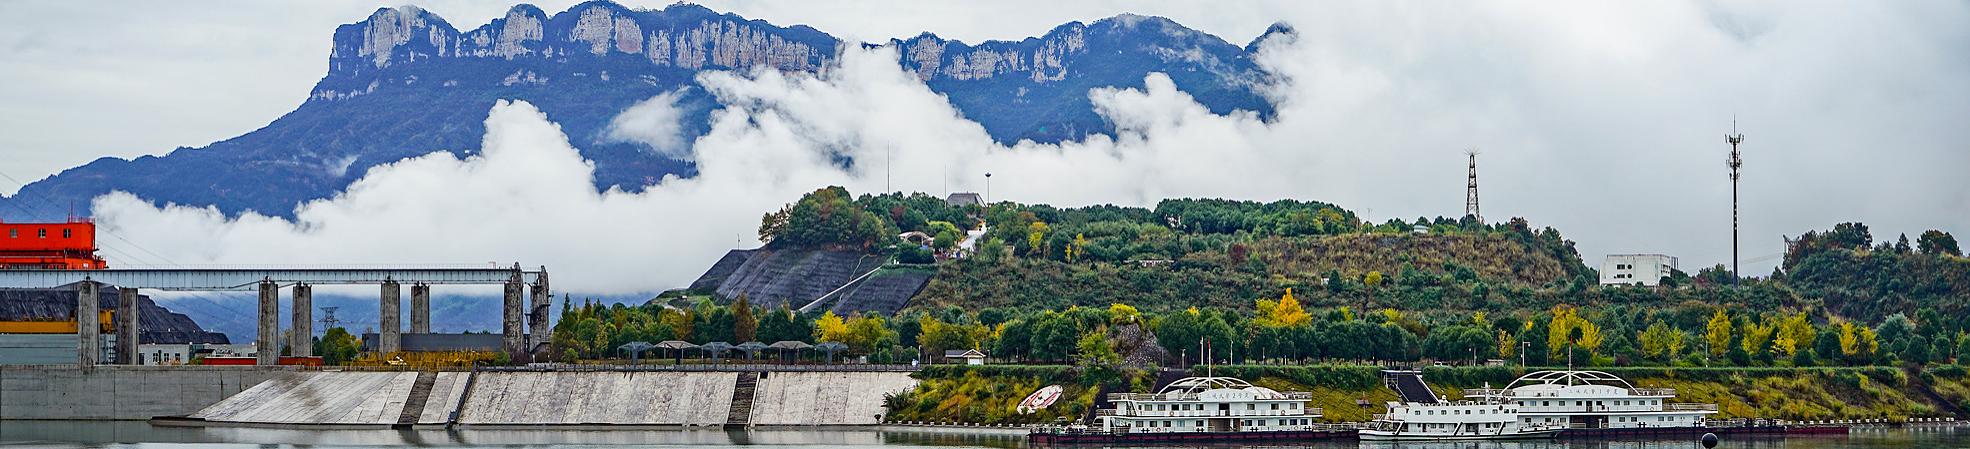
pixel 1632 269
pixel 164 354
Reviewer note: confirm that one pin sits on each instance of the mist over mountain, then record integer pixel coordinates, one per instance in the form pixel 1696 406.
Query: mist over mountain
pixel 404 82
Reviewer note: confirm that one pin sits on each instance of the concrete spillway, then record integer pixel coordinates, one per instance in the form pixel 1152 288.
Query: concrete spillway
pixel 603 398
pixel 535 398
pixel 337 398
pixel 825 398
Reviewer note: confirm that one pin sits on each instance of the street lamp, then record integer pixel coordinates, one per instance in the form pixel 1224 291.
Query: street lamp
pixel 988 189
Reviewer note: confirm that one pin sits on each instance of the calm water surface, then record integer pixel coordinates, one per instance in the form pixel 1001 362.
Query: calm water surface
pixel 77 434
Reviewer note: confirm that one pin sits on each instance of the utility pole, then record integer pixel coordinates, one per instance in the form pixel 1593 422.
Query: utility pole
pixel 1471 193
pixel 1735 162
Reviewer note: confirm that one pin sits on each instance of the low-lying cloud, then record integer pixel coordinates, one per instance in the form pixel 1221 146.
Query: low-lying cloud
pixel 1605 122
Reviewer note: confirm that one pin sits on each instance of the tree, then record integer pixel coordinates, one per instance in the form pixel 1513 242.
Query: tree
pixel 1795 334
pixel 1036 238
pixel 1097 358
pixel 744 326
pixel 1283 313
pixel 1757 339
pixel 337 346
pixel 830 327
pixel 1934 242
pixel 1569 330
pixel 1660 342
pixel 1718 334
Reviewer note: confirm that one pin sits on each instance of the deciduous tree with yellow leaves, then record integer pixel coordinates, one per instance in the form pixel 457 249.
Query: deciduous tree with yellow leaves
pixel 1286 312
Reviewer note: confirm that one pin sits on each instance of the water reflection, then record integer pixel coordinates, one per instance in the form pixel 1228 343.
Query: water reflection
pixel 122 434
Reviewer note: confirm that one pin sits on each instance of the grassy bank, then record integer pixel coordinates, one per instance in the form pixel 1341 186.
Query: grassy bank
pixel 1346 393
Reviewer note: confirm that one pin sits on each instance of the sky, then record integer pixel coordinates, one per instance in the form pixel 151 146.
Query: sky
pixel 1605 120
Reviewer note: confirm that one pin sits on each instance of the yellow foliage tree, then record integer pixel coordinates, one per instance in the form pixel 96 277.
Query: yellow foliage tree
pixel 1718 333
pixel 830 327
pixel 1794 334
pixel 1036 238
pixel 1507 345
pixel 1119 313
pixel 1567 323
pixel 1757 337
pixel 1286 312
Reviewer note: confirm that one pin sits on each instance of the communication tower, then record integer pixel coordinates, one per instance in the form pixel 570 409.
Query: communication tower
pixel 1736 162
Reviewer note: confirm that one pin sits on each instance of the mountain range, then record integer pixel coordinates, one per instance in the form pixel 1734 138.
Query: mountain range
pixel 406 82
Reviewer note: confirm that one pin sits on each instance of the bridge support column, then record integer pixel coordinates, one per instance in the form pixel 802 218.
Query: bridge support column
pixel 302 321
pixel 537 315
pixel 420 308
pixel 126 325
pixel 392 327
pixel 513 333
pixel 87 325
pixel 266 350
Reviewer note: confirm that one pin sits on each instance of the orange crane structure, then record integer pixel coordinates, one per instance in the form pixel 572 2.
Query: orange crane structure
pixel 50 246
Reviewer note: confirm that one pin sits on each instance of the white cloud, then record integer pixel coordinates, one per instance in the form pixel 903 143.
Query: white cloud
pixel 1602 120
pixel 656 122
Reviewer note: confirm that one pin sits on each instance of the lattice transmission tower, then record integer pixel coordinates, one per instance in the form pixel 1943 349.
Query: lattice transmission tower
pixel 1471 193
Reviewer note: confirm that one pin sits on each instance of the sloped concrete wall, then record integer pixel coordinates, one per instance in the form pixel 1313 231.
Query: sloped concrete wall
pixel 347 398
pixel 825 398
pixel 601 398
pixel 121 392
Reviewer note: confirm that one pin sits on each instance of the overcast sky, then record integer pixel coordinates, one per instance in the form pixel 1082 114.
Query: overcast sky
pixel 1604 120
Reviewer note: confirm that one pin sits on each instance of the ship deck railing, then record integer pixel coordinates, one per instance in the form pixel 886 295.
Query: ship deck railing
pixel 1213 413
pixel 1298 395
pixel 1504 393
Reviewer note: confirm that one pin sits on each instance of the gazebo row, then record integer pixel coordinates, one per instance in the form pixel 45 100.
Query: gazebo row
pixel 717 349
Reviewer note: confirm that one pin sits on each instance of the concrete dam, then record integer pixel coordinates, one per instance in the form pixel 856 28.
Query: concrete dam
pixel 557 398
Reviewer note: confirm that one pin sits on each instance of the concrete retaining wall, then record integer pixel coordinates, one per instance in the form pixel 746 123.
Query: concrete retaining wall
pixel 603 398
pixel 352 398
pixel 121 392
pixel 825 398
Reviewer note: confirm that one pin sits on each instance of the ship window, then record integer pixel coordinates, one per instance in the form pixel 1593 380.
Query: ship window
pixel 42 234
pixel 65 233
pixel 1275 406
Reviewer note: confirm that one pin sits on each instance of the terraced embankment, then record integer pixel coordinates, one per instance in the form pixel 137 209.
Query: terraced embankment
pixel 796 277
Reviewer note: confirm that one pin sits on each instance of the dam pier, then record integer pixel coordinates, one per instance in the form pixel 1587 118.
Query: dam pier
pixel 517 342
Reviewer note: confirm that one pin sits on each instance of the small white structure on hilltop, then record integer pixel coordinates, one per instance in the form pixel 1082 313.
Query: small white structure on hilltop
pixel 962 199
pixel 1636 269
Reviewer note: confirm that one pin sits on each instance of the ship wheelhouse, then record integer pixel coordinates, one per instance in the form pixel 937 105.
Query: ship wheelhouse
pixel 1209 404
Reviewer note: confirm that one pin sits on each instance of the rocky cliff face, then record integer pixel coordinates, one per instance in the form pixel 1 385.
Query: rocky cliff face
pixel 405 82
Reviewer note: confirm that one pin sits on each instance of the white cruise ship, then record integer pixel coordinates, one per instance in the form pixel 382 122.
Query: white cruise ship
pixel 1592 400
pixel 1209 405
pixel 1453 420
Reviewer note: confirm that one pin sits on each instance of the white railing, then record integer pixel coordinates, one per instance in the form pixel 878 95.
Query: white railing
pixel 1499 392
pixel 1301 396
pixel 1313 411
pixel 1682 407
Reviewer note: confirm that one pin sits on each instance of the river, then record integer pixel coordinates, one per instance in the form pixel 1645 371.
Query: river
pixel 137 434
